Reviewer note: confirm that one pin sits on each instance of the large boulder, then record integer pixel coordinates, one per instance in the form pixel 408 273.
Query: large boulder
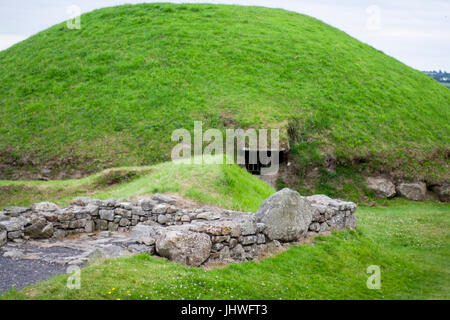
pixel 286 214
pixel 185 247
pixel 383 187
pixel 414 191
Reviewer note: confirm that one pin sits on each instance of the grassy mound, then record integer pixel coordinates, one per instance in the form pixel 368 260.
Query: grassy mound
pixel 111 93
pixel 408 241
pixel 225 185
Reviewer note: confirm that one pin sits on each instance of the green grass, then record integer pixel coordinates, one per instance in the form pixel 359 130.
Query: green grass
pixel 409 241
pixel 225 185
pixel 111 93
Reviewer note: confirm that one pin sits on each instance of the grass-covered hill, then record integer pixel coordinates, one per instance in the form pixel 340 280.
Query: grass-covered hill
pixel 409 242
pixel 111 93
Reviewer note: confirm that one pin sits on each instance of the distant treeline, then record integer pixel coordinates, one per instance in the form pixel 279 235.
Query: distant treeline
pixel 441 76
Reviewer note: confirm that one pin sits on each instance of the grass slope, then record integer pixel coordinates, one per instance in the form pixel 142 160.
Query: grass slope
pixel 111 93
pixel 409 241
pixel 225 185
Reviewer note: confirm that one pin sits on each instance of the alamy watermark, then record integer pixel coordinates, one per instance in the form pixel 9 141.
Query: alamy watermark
pixel 74 13
pixel 244 147
pixel 373 21
pixel 74 280
pixel 374 281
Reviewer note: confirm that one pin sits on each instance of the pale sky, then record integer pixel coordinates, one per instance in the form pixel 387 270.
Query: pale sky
pixel 416 32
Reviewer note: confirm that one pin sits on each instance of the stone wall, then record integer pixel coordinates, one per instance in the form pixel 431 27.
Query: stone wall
pixel 188 236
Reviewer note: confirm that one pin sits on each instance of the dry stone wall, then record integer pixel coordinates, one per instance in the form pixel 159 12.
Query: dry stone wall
pixel 187 236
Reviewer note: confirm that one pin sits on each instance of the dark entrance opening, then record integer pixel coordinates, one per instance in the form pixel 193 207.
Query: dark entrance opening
pixel 255 168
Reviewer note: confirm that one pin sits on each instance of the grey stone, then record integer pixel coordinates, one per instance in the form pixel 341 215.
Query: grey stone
pixel 13 224
pixel 39 229
pixel 147 204
pixel 137 211
pixel 101 225
pixel 246 240
pixel 14 211
pixel 160 208
pixel 108 203
pixel 208 216
pixel 350 221
pixel 233 242
pixel 108 251
pixel 3 237
pixel 112 226
pixel 106 215
pixel 44 207
pixel 163 198
pixel 162 219
pixel 89 226
pixel 238 253
pixel 58 233
pixel 314 226
pixel 146 231
pixel 324 227
pixel 286 214
pixel 337 221
pixel 414 191
pixel 123 212
pixel 383 187
pixel 124 222
pixel 261 238
pixel 148 241
pixel 15 234
pixel 185 247
pixel 185 218
pixel 217 246
pixel 443 192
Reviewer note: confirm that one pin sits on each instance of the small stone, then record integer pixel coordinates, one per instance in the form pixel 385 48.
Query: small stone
pixel 112 226
pixel 137 211
pixel 148 241
pixel 15 234
pixel 185 218
pixel 44 207
pixel 261 238
pixel 246 240
pixel 162 219
pixel 14 211
pixel 101 225
pixel 160 208
pixel 107 215
pixel 163 198
pixel 217 246
pixel 147 204
pixel 124 222
pixel 122 212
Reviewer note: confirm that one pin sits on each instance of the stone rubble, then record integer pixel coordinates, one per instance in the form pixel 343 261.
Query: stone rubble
pixel 156 226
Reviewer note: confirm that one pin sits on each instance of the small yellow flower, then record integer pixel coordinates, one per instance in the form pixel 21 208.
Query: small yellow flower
pixel 118 298
pixel 128 291
pixel 109 292
pixel 113 289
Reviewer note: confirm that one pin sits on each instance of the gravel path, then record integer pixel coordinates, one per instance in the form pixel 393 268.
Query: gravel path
pixel 21 273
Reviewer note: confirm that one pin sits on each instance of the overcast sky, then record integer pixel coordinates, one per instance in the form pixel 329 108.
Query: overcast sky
pixel 416 32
